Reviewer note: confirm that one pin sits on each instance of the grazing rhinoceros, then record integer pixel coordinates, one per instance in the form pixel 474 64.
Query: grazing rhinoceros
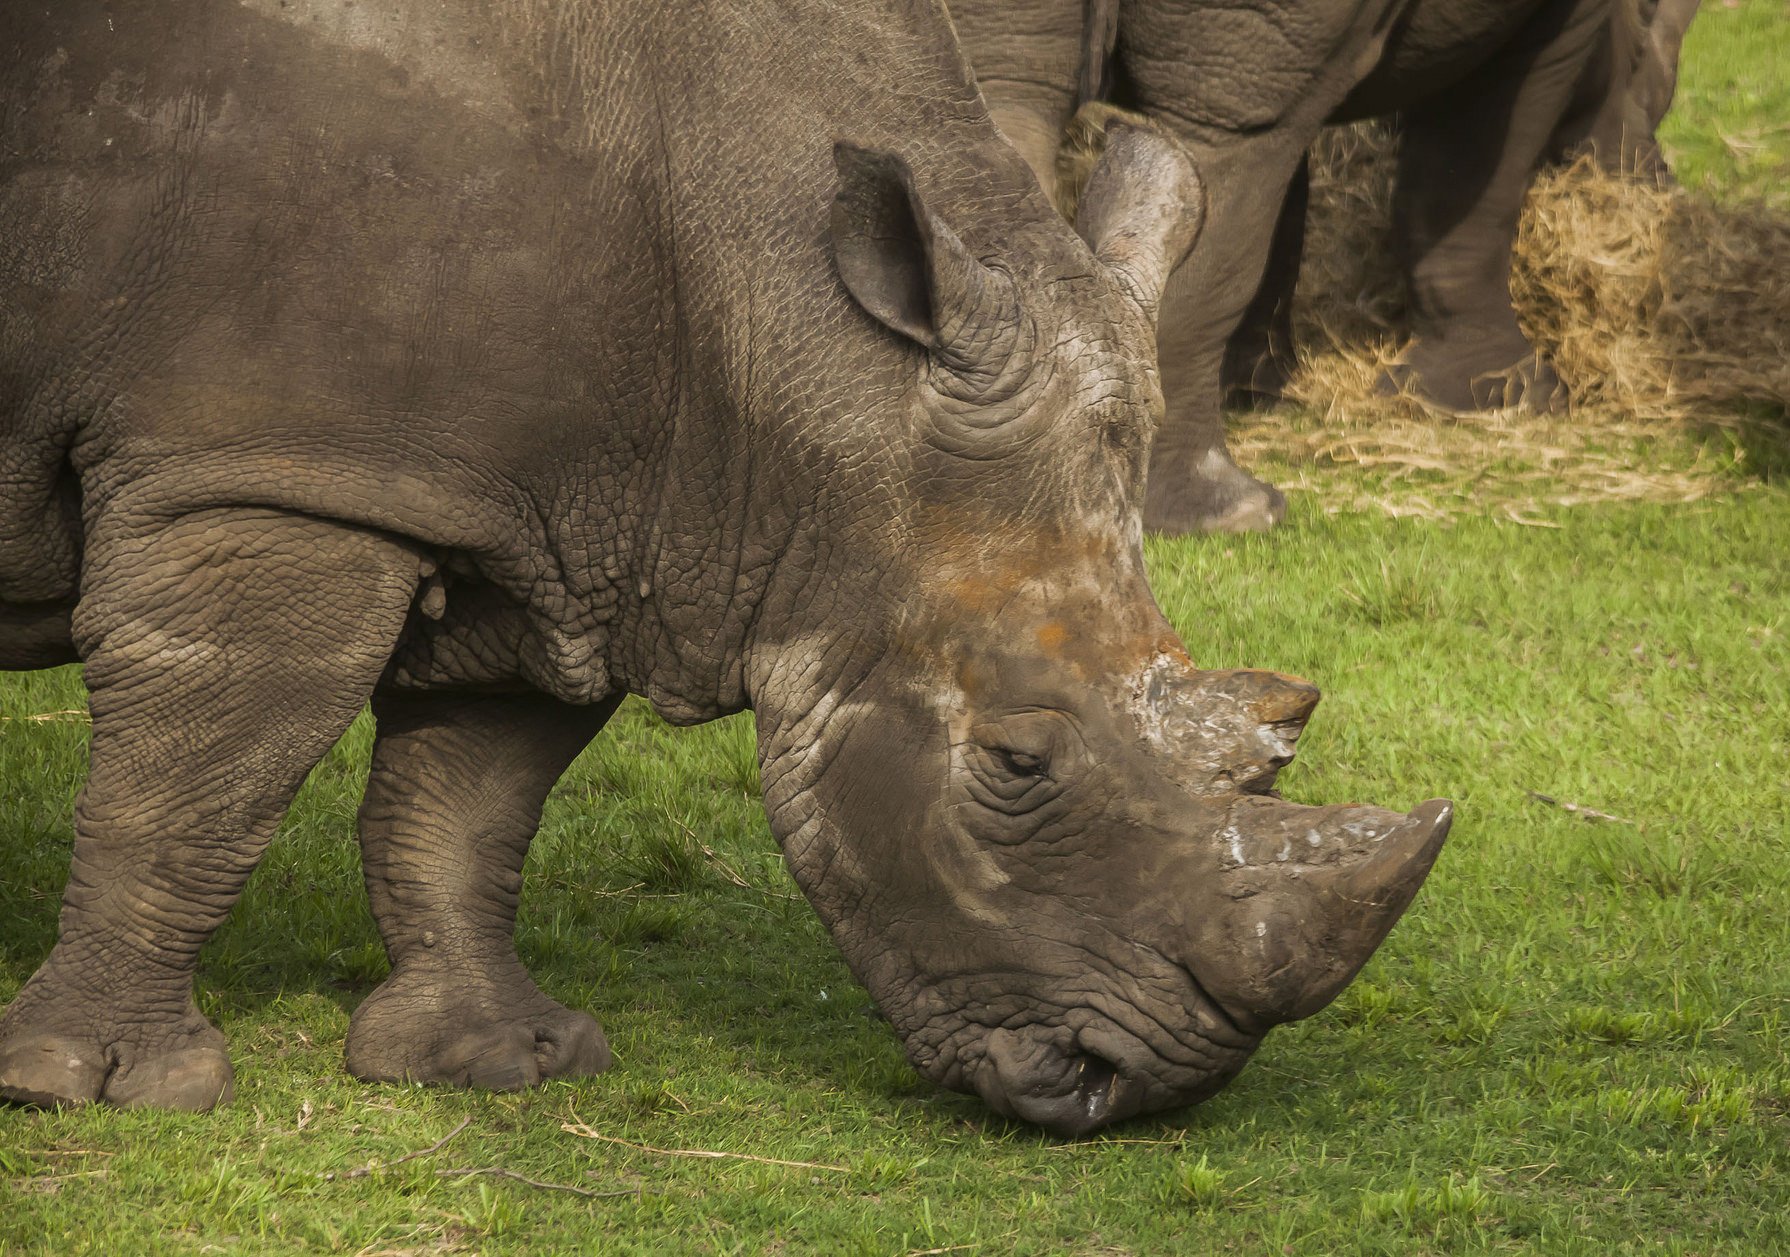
pixel 1482 90
pixel 495 360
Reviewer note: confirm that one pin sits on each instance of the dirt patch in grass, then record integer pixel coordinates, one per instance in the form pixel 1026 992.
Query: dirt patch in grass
pixel 1666 312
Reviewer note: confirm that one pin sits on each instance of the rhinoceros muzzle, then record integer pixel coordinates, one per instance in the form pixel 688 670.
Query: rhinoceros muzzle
pixel 1299 901
pixel 1066 1092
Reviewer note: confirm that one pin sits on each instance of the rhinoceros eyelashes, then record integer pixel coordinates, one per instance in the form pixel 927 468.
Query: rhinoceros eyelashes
pixel 1020 764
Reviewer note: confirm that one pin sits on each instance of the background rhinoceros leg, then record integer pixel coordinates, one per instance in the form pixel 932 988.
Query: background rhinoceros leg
pixel 1193 486
pixel 35 635
pixel 1627 89
pixel 1038 135
pixel 1259 359
pixel 1655 80
pixel 225 653
pixel 454 799
pixel 1465 163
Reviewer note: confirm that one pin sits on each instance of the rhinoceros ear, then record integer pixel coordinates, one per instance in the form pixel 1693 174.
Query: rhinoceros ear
pixel 1142 209
pixel 912 274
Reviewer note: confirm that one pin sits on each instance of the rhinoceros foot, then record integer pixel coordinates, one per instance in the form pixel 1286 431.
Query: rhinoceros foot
pixel 1463 374
pixel 500 1034
pixel 1207 493
pixel 182 1067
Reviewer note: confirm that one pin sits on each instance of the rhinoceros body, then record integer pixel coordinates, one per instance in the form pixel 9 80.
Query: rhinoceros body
pixel 492 361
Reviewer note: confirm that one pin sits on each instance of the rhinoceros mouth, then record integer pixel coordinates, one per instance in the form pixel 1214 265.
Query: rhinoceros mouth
pixel 1107 1061
pixel 1067 1091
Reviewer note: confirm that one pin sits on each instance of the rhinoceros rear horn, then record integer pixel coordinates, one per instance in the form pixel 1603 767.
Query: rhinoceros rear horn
pixel 1141 210
pixel 911 273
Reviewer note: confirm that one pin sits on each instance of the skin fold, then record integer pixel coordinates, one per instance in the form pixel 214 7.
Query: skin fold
pixel 490 362
pixel 1484 92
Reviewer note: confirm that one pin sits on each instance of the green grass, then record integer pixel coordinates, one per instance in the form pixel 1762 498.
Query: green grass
pixel 1576 1041
pixel 1729 129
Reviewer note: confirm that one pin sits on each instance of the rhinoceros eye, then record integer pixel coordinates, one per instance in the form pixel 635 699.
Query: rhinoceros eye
pixel 1020 763
pixel 1006 779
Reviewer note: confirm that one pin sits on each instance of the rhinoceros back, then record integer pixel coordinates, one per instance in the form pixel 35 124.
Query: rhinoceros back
pixel 541 283
pixel 302 255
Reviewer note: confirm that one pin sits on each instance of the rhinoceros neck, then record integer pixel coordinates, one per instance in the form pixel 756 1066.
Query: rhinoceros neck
pixel 768 519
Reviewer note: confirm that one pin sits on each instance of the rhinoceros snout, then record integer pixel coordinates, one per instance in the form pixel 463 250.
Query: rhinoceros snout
pixel 1063 1089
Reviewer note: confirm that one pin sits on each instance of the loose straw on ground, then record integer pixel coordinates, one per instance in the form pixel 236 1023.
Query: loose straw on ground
pixel 472 1171
pixel 579 1128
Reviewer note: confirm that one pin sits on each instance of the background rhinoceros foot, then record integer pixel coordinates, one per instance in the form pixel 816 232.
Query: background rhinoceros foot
pixel 492 1034
pixel 184 1066
pixel 1490 373
pixel 1207 492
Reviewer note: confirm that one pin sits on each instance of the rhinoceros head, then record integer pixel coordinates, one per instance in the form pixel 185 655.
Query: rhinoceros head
pixel 1045 840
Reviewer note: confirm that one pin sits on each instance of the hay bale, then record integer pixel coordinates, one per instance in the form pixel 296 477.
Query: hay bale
pixel 1653 302
pixel 1666 313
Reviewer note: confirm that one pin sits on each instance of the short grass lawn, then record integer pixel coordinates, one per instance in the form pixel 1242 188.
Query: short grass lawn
pixel 1729 130
pixel 1576 1041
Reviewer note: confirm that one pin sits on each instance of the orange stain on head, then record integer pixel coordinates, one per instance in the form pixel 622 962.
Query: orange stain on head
pixel 969 680
pixel 985 584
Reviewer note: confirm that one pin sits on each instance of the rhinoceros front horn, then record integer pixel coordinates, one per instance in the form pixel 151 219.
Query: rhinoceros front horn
pixel 1303 899
pixel 910 272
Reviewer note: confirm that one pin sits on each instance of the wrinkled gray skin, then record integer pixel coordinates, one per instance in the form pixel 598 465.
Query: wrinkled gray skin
pixel 1481 86
pixel 491 361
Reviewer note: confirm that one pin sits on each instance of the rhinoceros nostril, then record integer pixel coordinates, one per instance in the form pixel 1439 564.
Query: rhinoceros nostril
pixel 1093 1097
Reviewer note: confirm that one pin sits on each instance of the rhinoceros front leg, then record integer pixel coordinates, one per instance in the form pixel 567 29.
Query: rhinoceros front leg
pixel 454 799
pixel 1466 160
pixel 225 653
pixel 1259 360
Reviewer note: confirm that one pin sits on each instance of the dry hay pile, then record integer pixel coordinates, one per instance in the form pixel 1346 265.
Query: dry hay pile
pixel 1667 314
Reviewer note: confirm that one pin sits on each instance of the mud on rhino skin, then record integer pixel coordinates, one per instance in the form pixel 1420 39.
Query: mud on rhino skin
pixel 493 361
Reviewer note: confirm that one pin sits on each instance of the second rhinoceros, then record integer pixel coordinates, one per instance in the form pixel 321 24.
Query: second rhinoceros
pixel 494 361
pixel 1483 90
